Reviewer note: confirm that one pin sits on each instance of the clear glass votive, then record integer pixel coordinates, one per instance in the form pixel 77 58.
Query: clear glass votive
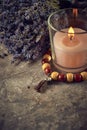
pixel 68 38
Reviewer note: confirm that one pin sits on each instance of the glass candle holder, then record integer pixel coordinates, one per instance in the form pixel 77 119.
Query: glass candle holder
pixel 68 38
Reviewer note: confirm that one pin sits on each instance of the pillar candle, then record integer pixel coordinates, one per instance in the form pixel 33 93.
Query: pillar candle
pixel 70 52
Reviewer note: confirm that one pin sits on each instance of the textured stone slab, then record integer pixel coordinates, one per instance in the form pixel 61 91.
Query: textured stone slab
pixel 61 107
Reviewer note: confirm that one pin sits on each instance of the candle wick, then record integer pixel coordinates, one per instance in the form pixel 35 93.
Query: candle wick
pixel 71 37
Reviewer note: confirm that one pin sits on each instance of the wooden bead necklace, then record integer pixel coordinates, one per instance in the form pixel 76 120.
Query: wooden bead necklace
pixel 68 77
pixel 57 76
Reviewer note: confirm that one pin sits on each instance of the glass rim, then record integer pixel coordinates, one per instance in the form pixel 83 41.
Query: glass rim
pixel 49 24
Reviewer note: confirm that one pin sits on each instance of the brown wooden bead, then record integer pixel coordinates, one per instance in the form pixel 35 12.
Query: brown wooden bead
pixel 62 77
pixel 77 77
pixel 44 61
pixel 47 70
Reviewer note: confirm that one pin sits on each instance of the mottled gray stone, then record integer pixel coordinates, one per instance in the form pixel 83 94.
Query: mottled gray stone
pixel 62 106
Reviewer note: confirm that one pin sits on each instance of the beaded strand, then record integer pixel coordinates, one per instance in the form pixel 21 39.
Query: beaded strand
pixel 57 76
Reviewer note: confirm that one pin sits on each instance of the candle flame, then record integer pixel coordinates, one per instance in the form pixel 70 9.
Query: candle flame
pixel 71 33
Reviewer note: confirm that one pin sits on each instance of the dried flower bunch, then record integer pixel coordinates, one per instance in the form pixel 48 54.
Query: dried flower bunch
pixel 23 27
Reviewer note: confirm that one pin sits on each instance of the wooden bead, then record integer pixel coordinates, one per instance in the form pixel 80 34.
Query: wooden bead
pixel 69 77
pixel 84 75
pixel 47 56
pixel 77 77
pixel 45 65
pixel 54 75
pixel 44 61
pixel 47 71
pixel 61 77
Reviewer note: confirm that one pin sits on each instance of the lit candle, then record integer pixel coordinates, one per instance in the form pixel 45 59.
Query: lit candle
pixel 70 49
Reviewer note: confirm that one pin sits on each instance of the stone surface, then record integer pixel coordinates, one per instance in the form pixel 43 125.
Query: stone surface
pixel 62 106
